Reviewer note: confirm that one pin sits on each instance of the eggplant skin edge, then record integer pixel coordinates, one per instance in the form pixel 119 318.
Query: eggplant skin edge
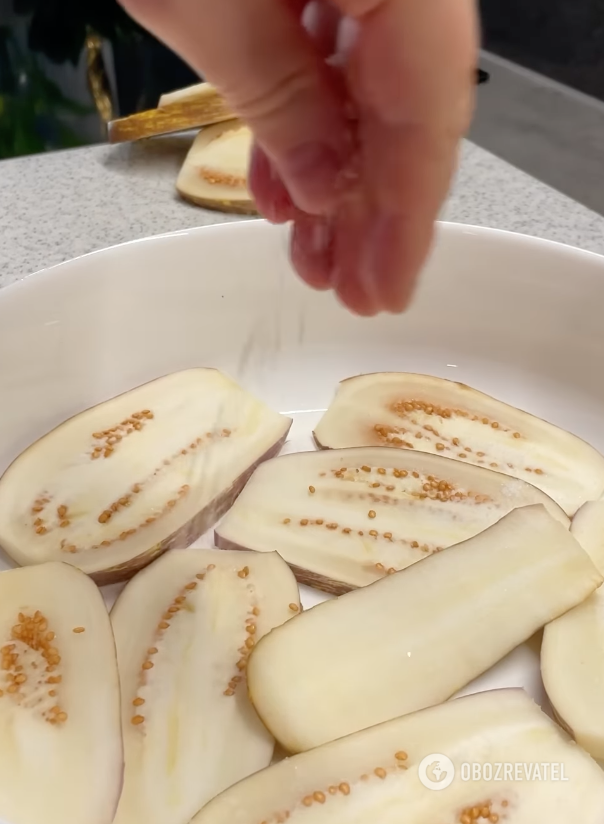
pixel 186 534
pixel 303 576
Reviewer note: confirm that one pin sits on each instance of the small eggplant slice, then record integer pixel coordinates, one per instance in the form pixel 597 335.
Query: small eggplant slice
pixel 61 755
pixel 415 638
pixel 115 486
pixel 588 528
pixel 345 518
pixel 428 414
pixel 376 775
pixel 184 629
pixel 572 652
pixel 214 174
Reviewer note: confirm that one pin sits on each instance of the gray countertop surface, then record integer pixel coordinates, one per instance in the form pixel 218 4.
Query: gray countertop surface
pixel 56 206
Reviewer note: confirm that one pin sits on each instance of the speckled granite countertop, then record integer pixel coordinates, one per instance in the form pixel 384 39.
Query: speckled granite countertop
pixel 55 207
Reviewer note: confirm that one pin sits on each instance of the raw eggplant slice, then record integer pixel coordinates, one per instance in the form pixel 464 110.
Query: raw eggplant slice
pixel 61 757
pixel 345 518
pixel 415 638
pixel 184 629
pixel 451 419
pixel 118 484
pixel 588 528
pixel 214 174
pixel 572 669
pixel 198 93
pixel 376 775
pixel 176 111
pixel 572 651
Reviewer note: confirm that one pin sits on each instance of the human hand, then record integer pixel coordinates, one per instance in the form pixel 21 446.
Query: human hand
pixel 355 143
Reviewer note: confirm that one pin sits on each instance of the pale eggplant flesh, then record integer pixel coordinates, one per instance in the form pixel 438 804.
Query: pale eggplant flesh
pixel 115 486
pixel 184 629
pixel 215 172
pixel 415 638
pixel 348 517
pixel 572 651
pixel 429 414
pixel 524 768
pixel 61 755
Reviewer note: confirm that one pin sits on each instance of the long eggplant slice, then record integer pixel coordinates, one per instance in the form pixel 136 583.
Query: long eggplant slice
pixel 572 652
pixel 117 485
pixel 429 414
pixel 345 518
pixel 415 638
pixel 61 757
pixel 375 776
pixel 184 629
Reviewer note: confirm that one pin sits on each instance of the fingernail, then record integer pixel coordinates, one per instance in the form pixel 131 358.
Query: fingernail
pixel 312 250
pixel 375 254
pixel 271 197
pixel 313 173
pixel 319 237
pixel 280 207
pixel 383 271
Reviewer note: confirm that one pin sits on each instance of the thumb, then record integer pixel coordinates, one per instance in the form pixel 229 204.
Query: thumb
pixel 263 62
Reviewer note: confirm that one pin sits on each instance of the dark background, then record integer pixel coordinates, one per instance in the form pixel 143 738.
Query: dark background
pixel 562 39
pixel 57 92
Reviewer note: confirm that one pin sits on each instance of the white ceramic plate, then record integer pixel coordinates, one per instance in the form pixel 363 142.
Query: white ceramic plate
pixel 516 317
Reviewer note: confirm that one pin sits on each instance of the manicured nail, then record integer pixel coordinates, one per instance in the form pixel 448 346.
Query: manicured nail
pixel 313 175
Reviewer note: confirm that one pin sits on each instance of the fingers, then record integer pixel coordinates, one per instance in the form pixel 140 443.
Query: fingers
pixel 349 244
pixel 270 195
pixel 312 250
pixel 412 75
pixel 321 21
pixel 263 62
pixel 412 60
pixel 407 172
pixel 410 84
